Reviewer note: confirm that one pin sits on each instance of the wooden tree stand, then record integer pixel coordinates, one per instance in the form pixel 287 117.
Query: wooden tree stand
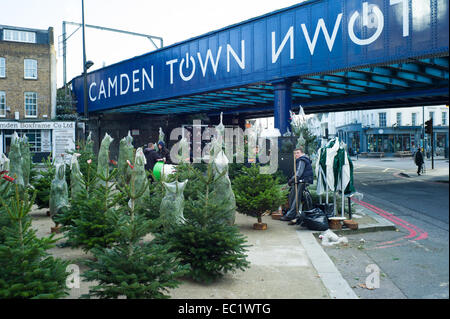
pixel 260 226
pixel 351 224
pixel 335 223
pixel 278 214
pixel 55 230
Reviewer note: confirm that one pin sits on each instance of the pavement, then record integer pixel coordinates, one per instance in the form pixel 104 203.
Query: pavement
pixel 286 262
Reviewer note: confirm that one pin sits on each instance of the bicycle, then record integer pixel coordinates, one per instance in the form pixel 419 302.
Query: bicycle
pixel 306 202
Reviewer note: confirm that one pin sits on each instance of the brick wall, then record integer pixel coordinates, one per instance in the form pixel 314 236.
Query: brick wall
pixel 14 85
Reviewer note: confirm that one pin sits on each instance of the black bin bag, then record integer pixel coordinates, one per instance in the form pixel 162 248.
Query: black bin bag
pixel 328 209
pixel 315 219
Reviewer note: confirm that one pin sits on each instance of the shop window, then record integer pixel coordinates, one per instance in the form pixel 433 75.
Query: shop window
pixel 30 69
pixel 30 104
pixel 2 68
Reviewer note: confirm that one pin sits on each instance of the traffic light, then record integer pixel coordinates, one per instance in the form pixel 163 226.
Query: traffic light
pixel 429 126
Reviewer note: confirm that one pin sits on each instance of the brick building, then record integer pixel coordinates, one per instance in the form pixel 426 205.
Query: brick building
pixel 28 89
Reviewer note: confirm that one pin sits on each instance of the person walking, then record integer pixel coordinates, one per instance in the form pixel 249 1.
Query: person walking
pixel 305 175
pixel 418 160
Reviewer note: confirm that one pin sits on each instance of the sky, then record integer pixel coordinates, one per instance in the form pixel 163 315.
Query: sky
pixel 173 20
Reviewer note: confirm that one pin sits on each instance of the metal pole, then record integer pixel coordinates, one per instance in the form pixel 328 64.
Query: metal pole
pixel 86 115
pixel 423 130
pixel 432 145
pixel 64 57
pixel 296 186
pixel 343 196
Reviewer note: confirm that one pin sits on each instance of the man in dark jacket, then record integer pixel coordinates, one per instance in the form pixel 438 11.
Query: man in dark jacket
pixel 304 176
pixel 418 159
pixel 151 156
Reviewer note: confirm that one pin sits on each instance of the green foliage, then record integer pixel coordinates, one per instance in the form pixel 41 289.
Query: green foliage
pixel 86 151
pixel 137 271
pixel 256 193
pixel 206 242
pixel 196 184
pixel 132 268
pixel 152 201
pixel 86 220
pixel 6 194
pixel 28 271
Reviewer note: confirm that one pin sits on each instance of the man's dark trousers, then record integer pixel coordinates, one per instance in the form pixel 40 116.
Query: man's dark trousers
pixel 292 209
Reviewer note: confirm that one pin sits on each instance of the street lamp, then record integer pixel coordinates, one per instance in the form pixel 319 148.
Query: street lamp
pixel 86 115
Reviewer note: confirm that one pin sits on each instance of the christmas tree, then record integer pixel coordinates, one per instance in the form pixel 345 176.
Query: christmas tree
pixel 256 193
pixel 28 271
pixel 210 246
pixel 86 221
pixel 132 268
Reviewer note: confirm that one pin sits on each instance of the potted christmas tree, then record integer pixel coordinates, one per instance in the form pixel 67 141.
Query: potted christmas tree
pixel 256 193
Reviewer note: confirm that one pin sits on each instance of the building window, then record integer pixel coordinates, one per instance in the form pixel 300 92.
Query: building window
pixel 2 68
pixel 34 139
pixel 19 36
pixel 432 116
pixel 2 104
pixel 414 119
pixel 30 104
pixel 382 119
pixel 444 118
pixel 399 119
pixel 30 69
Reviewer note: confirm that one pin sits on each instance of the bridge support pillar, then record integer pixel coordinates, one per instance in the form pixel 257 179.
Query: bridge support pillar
pixel 282 104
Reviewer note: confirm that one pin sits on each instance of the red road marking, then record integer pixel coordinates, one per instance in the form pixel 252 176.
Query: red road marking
pixel 412 229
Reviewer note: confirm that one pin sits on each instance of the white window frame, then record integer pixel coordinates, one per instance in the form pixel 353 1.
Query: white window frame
pixel 2 104
pixel 379 119
pixel 25 104
pixel 2 67
pixel 444 118
pixel 413 119
pixel 399 118
pixel 30 65
pixel 19 36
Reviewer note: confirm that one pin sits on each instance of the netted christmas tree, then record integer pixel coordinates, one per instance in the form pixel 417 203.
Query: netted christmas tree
pixel 172 205
pixel 133 268
pixel 16 160
pixel 59 193
pixel 89 224
pixel 27 270
pixel 126 153
pixel 306 138
pixel 26 159
pixel 86 150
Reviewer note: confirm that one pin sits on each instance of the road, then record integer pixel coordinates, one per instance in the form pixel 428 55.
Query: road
pixel 413 261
